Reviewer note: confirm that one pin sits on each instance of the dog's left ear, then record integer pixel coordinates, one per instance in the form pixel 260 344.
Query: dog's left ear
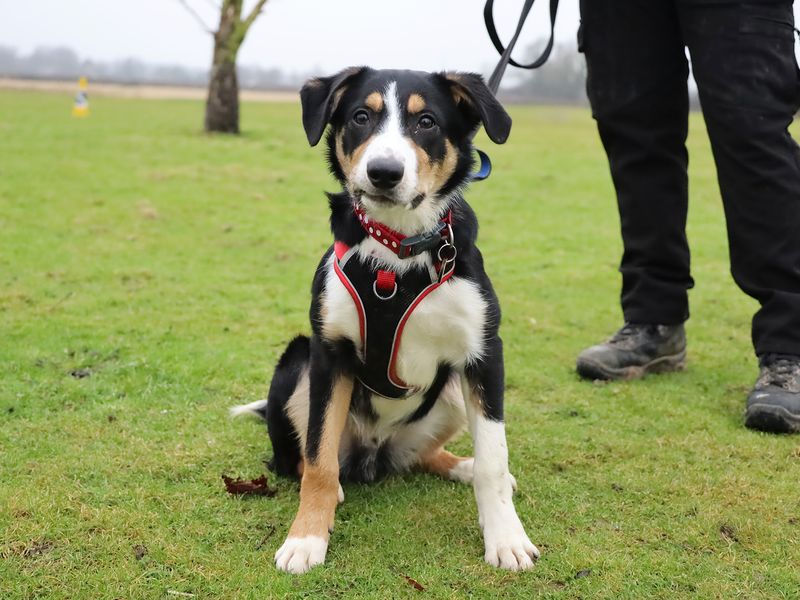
pixel 471 94
pixel 319 98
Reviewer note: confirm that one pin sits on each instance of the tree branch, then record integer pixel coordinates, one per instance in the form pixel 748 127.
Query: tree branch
pixel 252 16
pixel 196 16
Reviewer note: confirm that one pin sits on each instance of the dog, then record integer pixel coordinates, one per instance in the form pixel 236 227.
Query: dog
pixel 404 351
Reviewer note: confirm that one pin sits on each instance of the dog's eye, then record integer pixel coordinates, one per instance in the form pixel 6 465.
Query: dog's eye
pixel 426 122
pixel 361 117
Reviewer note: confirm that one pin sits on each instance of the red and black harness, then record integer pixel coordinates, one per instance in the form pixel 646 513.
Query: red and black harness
pixel 385 299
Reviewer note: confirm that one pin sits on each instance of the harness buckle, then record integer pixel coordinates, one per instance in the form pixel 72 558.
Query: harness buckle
pixel 417 244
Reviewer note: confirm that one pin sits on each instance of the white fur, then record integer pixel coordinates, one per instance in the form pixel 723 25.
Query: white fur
pixel 463 471
pixel 505 542
pixel 298 555
pixel 339 314
pixel 252 408
pixel 446 327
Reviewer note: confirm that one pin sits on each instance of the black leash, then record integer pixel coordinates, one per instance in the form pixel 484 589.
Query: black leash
pixel 505 53
pixel 505 59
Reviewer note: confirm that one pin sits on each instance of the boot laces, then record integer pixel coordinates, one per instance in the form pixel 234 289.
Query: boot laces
pixel 781 370
pixel 628 331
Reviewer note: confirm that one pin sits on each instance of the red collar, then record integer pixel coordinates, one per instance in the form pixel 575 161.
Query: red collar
pixel 403 245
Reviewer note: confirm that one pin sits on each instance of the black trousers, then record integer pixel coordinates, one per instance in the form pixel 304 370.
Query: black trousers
pixel 743 60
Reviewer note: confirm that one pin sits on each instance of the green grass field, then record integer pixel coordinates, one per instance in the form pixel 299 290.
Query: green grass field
pixel 149 278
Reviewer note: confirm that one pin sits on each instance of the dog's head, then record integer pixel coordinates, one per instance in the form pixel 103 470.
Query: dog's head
pixel 399 141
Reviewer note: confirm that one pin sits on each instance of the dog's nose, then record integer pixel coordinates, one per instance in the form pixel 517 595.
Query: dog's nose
pixel 384 173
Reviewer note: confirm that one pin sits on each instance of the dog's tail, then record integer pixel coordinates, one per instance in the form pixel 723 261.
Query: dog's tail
pixel 257 409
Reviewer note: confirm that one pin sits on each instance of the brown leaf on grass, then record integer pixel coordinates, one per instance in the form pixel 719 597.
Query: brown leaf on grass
pixel 139 551
pixel 728 533
pixel 253 487
pixel 413 583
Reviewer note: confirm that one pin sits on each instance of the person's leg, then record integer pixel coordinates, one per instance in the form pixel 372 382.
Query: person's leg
pixel 749 84
pixel 637 88
pixel 636 84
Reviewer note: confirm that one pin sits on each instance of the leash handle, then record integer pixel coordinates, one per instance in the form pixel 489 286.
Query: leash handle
pixel 505 60
pixel 505 52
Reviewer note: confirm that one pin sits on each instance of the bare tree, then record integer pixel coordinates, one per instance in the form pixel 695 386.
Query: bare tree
pixel 222 104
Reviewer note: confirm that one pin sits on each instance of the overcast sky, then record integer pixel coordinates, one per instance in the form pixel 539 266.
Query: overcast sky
pixel 296 35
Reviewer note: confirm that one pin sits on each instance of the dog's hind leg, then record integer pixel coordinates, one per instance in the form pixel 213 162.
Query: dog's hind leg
pixel 447 465
pixel 283 434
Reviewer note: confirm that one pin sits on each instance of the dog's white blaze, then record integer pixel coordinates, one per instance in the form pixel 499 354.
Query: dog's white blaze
pixel 505 541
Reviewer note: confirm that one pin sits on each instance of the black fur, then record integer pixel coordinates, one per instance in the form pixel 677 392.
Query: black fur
pixel 285 444
pixel 459 103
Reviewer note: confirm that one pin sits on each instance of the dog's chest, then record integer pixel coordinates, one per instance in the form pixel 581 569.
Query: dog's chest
pixel 446 326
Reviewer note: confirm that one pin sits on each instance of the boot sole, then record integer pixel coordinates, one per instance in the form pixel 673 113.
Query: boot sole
pixel 589 369
pixel 771 418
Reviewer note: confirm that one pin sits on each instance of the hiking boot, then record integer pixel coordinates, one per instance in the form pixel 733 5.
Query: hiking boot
pixel 774 403
pixel 634 351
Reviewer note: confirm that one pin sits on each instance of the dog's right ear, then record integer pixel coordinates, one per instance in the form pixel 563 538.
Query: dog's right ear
pixel 319 98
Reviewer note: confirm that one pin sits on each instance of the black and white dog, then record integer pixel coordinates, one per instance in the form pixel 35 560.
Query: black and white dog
pixel 405 349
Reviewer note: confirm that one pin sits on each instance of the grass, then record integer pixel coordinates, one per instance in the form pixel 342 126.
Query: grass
pixel 149 278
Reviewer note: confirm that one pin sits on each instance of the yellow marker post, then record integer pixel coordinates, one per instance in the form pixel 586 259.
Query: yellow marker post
pixel 81 106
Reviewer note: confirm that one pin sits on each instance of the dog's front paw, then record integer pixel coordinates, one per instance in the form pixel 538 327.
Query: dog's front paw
pixel 508 547
pixel 299 554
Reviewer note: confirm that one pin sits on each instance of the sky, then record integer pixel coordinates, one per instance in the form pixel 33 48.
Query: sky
pixel 318 36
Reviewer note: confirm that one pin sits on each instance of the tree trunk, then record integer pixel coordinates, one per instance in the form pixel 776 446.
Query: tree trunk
pixel 222 105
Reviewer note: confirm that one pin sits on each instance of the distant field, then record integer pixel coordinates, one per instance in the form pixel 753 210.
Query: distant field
pixel 150 276
pixel 148 92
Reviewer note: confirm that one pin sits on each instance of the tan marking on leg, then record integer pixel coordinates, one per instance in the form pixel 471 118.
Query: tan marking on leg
pixel 319 488
pixel 374 101
pixel 440 462
pixel 301 465
pixel 416 104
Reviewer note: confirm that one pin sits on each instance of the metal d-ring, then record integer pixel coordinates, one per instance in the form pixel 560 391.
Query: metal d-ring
pixel 378 296
pixel 451 250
